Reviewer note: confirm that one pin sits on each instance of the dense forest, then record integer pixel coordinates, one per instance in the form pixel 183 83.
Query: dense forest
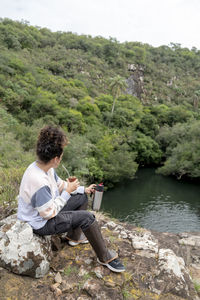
pixel 122 105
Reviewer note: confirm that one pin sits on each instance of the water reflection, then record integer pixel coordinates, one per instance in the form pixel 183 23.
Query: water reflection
pixel 156 202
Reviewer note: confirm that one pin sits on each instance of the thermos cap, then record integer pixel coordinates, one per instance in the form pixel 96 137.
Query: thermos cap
pixel 99 187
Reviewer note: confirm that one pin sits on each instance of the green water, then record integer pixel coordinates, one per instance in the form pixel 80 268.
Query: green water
pixel 156 202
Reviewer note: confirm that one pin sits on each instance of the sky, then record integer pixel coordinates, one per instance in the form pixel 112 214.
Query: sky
pixel 156 22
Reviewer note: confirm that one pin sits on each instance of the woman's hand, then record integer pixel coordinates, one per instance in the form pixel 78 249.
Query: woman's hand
pixel 90 189
pixel 72 186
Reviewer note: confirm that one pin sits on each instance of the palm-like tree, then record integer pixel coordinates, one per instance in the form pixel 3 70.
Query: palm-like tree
pixel 196 99
pixel 117 86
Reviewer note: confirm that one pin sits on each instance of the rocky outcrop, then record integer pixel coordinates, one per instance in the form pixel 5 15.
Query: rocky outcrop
pixel 21 251
pixel 159 261
pixel 158 265
pixel 135 85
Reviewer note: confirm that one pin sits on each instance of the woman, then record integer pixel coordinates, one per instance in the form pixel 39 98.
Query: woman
pixel 51 205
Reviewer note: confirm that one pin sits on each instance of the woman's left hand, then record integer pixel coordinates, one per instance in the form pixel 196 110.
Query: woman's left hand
pixel 90 189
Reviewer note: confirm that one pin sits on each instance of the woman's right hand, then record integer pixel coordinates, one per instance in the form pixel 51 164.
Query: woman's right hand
pixel 72 186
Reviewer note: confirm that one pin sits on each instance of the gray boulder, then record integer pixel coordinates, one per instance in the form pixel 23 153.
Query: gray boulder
pixel 22 251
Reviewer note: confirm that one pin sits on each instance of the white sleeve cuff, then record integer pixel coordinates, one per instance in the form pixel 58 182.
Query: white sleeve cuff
pixel 81 189
pixel 65 195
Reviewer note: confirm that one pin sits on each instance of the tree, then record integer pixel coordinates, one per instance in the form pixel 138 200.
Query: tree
pixel 196 99
pixel 117 86
pixel 182 149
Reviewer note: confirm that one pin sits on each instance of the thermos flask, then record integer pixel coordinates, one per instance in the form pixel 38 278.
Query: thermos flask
pixel 98 195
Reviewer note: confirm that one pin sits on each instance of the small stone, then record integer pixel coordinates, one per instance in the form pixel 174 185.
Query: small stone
pixel 171 263
pixel 187 241
pixel 92 287
pixel 154 290
pixel 78 259
pixel 82 272
pixel 111 225
pixel 119 228
pixel 195 267
pixel 67 286
pixel 54 286
pixel 146 253
pixel 98 272
pixel 88 261
pixel 110 283
pixel 183 235
pixel 124 235
pixel 58 278
pixel 57 292
pixel 145 242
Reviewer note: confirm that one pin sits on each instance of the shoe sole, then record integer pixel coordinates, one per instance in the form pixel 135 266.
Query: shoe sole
pixel 73 244
pixel 110 267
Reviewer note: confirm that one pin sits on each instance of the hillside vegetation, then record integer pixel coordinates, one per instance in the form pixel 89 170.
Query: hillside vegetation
pixel 83 84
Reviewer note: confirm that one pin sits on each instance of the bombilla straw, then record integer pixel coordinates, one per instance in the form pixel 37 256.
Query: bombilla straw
pixel 66 170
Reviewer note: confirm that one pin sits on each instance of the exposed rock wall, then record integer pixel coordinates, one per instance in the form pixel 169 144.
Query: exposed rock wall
pixel 135 86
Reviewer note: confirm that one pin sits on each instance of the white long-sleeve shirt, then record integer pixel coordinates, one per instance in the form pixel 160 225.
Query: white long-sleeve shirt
pixel 39 197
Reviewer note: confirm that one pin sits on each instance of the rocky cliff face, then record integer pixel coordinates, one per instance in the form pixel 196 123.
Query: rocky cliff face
pixel 135 85
pixel 158 266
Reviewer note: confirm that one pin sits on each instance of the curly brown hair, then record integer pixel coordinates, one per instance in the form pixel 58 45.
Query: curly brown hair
pixel 50 143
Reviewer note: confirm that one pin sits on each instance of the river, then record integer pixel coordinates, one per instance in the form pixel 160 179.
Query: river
pixel 155 202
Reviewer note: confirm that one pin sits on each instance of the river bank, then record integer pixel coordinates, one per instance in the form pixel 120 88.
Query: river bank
pixel 158 266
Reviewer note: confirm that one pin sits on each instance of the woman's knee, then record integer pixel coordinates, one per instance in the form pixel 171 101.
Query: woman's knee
pixel 85 197
pixel 89 219
pixel 84 200
pixel 82 219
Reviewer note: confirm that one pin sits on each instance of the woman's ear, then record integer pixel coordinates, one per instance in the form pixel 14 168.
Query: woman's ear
pixel 57 160
pixel 54 161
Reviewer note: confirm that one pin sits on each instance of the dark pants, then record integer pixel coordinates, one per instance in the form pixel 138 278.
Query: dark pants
pixel 69 218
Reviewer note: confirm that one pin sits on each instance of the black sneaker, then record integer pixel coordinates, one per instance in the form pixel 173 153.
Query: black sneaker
pixel 115 265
